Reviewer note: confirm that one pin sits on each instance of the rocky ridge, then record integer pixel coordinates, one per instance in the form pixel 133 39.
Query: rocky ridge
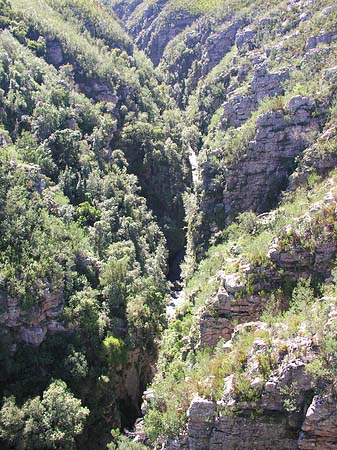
pixel 254 182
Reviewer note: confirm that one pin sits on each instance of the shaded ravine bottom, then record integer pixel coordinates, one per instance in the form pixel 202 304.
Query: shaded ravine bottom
pixel 130 411
pixel 174 274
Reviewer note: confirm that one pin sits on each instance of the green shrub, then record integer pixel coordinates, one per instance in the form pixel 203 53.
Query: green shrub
pixel 114 350
pixel 48 423
pixel 121 442
pixel 243 390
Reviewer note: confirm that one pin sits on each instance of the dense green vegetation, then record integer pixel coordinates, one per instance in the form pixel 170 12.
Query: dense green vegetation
pixel 52 422
pixel 97 197
pixel 138 118
pixel 75 226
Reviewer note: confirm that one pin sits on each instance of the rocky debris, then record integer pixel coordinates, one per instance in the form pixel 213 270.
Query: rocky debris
pixel 177 299
pixel 38 182
pixel 148 396
pixel 318 54
pixel 176 444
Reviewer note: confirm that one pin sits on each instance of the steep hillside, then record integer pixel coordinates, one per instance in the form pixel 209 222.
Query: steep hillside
pixel 257 80
pixel 135 134
pixel 146 127
pixel 87 131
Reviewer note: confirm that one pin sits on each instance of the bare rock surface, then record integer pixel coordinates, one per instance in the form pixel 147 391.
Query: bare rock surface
pixel 31 325
pixel 319 430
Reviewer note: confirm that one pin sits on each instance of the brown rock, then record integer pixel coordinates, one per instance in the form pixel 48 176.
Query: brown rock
pixel 319 430
pixel 201 421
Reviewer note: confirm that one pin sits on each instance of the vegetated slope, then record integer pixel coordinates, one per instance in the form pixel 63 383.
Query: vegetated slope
pixel 250 87
pixel 139 103
pixel 258 81
pixel 83 261
pixel 153 23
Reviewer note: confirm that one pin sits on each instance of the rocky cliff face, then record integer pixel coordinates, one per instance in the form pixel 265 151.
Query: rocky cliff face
pixel 286 416
pixel 283 412
pixel 266 423
pixel 276 402
pixel 239 299
pixel 255 179
pixel 31 326
pixel 152 24
pixel 203 46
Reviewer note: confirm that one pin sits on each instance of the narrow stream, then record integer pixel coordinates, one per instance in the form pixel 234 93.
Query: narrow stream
pixel 177 293
pixel 194 165
pixel 174 276
pixel 177 296
pixel 177 299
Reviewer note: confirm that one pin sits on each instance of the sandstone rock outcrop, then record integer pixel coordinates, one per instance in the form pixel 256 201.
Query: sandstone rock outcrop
pixel 238 108
pixel 232 304
pixel 31 325
pixel 315 160
pixel 265 169
pixel 322 38
pixel 319 430
pixel 284 415
pixel 201 422
pixel 254 180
